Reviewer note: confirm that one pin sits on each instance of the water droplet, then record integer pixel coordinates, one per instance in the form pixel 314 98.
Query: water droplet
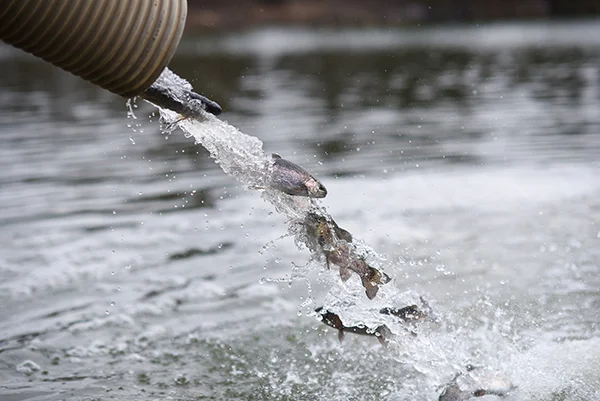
pixel 112 303
pixel 130 103
pixel 132 140
pixel 181 380
pixel 127 267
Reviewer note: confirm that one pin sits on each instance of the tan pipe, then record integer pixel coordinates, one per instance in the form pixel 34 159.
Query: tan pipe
pixel 119 45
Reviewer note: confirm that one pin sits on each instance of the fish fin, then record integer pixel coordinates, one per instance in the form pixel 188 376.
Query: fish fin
pixel 340 232
pixel 380 333
pixel 341 335
pixel 370 288
pixel 382 337
pixel 275 156
pixel 345 273
pixel 378 276
pixel 343 234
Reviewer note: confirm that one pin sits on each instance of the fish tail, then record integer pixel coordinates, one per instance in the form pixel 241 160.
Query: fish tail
pixel 370 287
pixel 383 332
pixel 345 273
pixel 380 277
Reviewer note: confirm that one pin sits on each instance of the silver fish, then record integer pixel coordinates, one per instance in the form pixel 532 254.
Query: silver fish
pixel 333 320
pixel 408 314
pixel 292 179
pixel 370 277
pixel 333 241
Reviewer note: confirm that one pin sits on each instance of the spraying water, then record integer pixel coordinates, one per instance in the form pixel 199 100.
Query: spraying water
pixel 241 156
pixel 442 350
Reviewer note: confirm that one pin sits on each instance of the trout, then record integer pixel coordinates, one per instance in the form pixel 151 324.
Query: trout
pixel 334 242
pixel 333 320
pixel 408 314
pixel 292 179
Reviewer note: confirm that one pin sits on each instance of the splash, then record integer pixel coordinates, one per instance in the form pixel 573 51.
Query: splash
pixel 242 157
pixel 436 350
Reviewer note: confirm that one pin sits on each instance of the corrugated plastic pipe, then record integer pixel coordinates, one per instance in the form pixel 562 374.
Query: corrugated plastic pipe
pixel 119 45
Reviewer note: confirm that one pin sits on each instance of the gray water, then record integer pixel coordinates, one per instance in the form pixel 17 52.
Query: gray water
pixel 133 268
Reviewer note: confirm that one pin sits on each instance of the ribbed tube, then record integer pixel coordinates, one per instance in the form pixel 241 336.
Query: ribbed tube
pixel 119 45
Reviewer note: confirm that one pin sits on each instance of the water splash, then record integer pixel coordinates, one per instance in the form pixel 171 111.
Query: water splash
pixel 435 350
pixel 242 156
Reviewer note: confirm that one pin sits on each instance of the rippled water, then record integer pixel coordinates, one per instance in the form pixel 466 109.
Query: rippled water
pixel 132 267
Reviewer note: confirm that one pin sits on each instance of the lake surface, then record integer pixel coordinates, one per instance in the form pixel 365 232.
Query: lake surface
pixel 133 268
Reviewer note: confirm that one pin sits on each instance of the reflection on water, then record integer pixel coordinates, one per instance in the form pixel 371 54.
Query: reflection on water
pixel 130 264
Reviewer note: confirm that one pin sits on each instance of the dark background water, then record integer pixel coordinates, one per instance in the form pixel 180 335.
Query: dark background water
pixel 236 14
pixel 130 264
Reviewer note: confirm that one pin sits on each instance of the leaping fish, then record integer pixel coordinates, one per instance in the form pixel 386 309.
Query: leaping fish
pixel 292 179
pixel 334 242
pixel 408 314
pixel 333 320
